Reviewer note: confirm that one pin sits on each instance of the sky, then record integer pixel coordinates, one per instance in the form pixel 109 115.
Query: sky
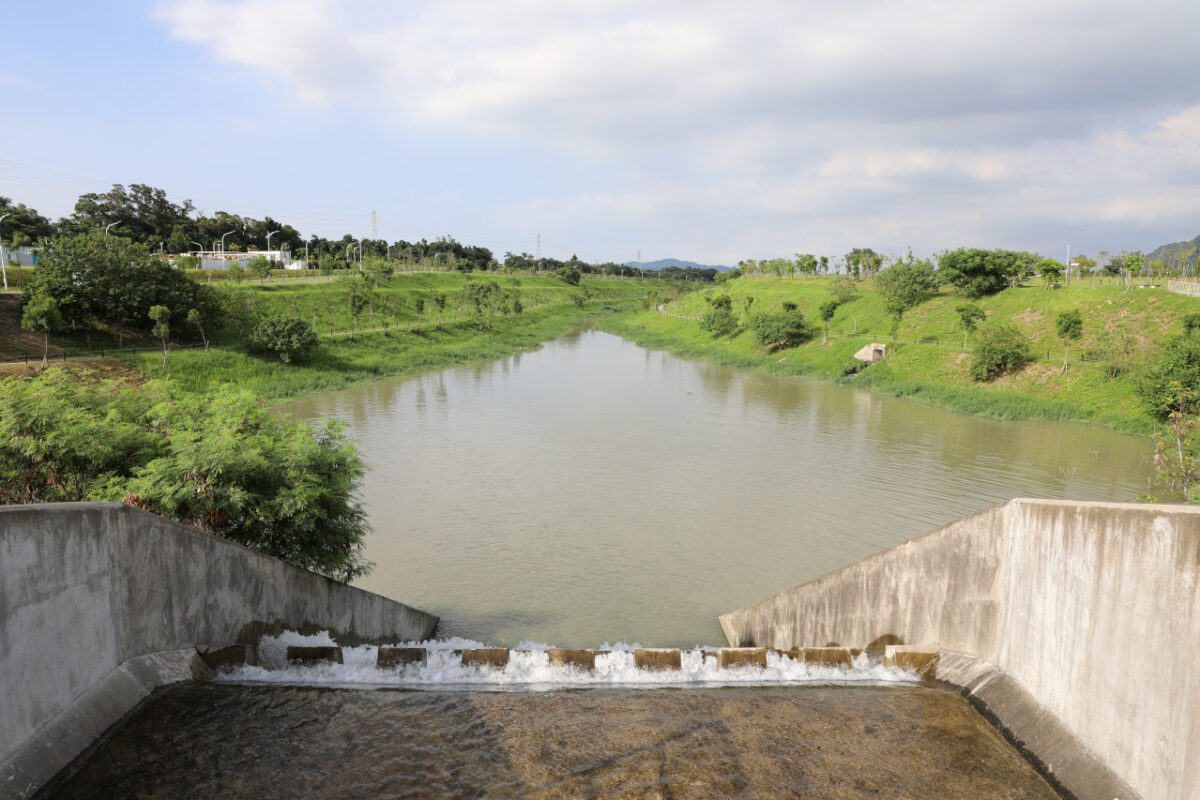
pixel 708 131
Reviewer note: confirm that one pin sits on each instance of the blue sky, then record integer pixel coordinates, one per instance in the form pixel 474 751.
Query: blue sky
pixel 692 130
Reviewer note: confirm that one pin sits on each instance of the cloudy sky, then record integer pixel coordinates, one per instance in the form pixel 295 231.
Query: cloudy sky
pixel 698 130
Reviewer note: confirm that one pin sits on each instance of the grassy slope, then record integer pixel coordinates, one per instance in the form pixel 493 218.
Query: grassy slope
pixel 937 373
pixel 344 361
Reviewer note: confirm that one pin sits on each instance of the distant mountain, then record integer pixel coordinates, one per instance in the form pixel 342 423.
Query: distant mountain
pixel 663 263
pixel 1162 250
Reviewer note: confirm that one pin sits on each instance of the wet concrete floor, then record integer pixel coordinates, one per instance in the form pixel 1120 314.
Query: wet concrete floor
pixel 237 741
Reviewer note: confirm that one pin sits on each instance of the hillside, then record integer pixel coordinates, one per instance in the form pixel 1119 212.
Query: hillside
pixel 663 263
pixel 1162 250
pixel 928 359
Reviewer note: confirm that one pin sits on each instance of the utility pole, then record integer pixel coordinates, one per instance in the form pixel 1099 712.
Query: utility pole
pixel 539 247
pixel 374 225
pixel 1068 265
pixel 4 257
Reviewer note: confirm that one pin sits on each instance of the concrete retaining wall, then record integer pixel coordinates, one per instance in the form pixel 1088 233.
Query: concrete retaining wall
pixel 1092 610
pixel 100 603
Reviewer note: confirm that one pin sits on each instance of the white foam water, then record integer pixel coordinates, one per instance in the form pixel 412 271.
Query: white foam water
pixel 529 668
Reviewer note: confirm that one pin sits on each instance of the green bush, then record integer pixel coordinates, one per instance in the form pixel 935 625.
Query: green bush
pixel 287 338
pixel 999 349
pixel 720 321
pixel 1173 382
pixel 221 463
pixel 782 329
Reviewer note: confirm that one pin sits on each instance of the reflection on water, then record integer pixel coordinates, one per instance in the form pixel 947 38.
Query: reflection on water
pixel 595 491
pixel 228 741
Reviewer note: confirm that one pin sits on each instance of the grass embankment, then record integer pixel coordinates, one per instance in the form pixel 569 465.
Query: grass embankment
pixel 927 360
pixel 344 361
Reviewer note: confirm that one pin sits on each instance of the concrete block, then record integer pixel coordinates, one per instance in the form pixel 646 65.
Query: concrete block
pixel 796 653
pixel 235 655
pixel 314 655
pixel 657 658
pixel 923 659
pixel 585 659
pixel 486 656
pixel 741 657
pixel 828 656
pixel 400 656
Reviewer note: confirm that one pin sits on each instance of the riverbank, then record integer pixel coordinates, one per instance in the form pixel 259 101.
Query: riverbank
pixel 928 361
pixel 345 361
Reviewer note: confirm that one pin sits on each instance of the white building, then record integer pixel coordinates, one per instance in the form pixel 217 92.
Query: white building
pixel 224 259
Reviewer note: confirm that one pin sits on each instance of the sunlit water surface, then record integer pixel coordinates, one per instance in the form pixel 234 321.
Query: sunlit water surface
pixel 594 491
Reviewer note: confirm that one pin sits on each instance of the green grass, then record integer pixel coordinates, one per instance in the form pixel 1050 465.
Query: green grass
pixel 927 362
pixel 342 362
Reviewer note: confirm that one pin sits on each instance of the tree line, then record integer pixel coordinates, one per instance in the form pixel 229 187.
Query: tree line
pixel 145 215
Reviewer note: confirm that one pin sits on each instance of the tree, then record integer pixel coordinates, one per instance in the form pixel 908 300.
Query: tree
pixel 356 296
pixel 222 463
pixel 439 302
pixel 905 284
pixel 1050 270
pixel 827 310
pixel 568 274
pixel 106 279
pixel 843 290
pixel 1172 383
pixel 195 319
pixel 975 273
pixel 1177 453
pixel 1069 326
pixel 287 338
pixel 863 262
pixel 41 315
pixel 782 329
pixel 260 267
pixel 235 272
pixel 161 315
pixel 1000 348
pixel 969 316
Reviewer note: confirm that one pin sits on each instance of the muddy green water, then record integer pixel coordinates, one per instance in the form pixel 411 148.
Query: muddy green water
pixel 233 742
pixel 593 491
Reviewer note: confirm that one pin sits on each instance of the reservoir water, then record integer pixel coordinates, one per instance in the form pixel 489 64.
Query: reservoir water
pixel 594 491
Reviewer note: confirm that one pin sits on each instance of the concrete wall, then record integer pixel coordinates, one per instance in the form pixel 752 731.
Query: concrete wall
pixel 1092 609
pixel 100 603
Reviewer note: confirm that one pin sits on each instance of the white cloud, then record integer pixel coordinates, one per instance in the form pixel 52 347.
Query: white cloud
pixel 860 119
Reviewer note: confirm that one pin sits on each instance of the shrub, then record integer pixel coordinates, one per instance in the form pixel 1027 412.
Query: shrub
pixel 288 339
pixel 1173 382
pixel 719 321
pixel 999 349
pixel 223 464
pixel 781 329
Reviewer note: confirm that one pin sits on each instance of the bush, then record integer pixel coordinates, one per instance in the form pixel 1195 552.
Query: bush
pixel 568 274
pixel 1173 382
pixel 719 321
pixel 999 349
pixel 782 329
pixel 288 339
pixel 223 464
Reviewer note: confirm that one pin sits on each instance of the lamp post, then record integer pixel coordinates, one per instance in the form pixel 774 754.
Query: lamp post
pixel 109 225
pixel 223 235
pixel 4 256
pixel 360 241
pixel 269 235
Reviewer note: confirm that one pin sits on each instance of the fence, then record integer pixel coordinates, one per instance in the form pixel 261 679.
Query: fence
pixel 1188 287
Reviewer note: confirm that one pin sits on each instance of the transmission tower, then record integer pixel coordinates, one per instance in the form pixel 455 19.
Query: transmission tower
pixel 374 225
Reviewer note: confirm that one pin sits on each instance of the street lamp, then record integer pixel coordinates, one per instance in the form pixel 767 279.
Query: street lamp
pixel 109 225
pixel 360 241
pixel 269 235
pixel 4 256
pixel 223 235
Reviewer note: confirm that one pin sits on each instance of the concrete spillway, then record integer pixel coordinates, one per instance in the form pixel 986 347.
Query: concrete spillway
pixel 1076 625
pixel 101 603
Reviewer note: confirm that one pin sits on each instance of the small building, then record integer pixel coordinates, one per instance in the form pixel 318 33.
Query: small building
pixel 872 353
pixel 25 256
pixel 224 259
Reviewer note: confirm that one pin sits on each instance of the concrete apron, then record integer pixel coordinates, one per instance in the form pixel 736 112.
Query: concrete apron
pixel 101 603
